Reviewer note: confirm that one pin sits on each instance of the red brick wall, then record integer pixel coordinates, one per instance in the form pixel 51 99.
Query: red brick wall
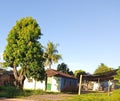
pixel 6 79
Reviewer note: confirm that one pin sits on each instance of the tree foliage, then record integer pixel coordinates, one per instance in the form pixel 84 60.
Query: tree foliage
pixel 24 50
pixel 102 68
pixel 77 73
pixel 51 54
pixel 117 76
pixel 64 68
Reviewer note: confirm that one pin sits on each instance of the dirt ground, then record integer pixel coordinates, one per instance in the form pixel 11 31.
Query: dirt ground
pixel 6 99
pixel 46 97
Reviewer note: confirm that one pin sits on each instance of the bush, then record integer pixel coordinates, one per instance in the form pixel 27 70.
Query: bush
pixel 9 91
pixel 32 92
pixel 13 92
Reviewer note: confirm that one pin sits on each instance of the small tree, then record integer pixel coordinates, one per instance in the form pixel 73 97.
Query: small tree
pixel 50 54
pixel 102 68
pixel 64 68
pixel 77 73
pixel 24 50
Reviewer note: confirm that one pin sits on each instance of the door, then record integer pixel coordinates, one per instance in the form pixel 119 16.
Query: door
pixel 48 86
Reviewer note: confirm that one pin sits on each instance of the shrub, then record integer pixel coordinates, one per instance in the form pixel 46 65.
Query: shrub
pixel 9 91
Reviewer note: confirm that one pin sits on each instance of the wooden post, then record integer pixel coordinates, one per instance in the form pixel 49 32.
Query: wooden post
pixel 98 84
pixel 109 88
pixel 79 91
pixel 35 85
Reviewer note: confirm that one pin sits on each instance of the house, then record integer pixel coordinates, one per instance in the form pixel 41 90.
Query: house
pixel 90 81
pixel 56 82
pixel 60 82
pixel 6 77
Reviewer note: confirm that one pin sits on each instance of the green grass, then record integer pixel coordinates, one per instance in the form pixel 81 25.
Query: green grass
pixel 115 96
pixel 12 92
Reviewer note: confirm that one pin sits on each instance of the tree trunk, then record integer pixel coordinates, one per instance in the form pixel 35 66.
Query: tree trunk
pixel 19 78
pixel 46 82
pixel 49 66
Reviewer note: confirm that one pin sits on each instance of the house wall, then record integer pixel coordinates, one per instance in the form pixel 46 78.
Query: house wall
pixel 68 84
pixel 54 84
pixel 6 79
pixel 32 84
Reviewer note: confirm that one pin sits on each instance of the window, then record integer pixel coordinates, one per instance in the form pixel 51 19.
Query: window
pixel 49 80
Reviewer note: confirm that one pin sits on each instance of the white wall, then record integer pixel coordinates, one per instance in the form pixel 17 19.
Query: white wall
pixel 30 84
pixel 56 84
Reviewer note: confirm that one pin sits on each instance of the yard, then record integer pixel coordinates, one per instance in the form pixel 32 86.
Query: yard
pixel 12 94
pixel 44 97
pixel 95 96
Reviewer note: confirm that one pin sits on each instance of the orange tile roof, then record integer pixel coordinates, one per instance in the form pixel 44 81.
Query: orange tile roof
pixel 52 72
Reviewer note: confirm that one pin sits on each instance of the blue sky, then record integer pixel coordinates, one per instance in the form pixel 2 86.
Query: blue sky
pixel 88 31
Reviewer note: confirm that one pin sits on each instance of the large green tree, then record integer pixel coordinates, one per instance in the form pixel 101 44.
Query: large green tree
pixel 24 50
pixel 102 68
pixel 51 54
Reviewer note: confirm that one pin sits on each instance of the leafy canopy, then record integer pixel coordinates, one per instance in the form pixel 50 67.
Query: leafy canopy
pixel 51 54
pixel 77 73
pixel 117 76
pixel 24 49
pixel 64 68
pixel 102 68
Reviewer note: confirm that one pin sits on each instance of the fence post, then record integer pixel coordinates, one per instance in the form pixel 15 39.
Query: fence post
pixel 108 87
pixel 79 91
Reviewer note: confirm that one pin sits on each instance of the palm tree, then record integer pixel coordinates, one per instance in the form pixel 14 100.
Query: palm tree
pixel 51 55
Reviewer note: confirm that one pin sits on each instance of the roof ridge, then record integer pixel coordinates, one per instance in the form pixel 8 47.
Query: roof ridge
pixel 53 72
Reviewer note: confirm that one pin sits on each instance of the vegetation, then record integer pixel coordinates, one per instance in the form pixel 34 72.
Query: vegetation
pixel 117 76
pixel 24 50
pixel 51 55
pixel 13 92
pixel 64 68
pixel 102 68
pixel 77 73
pixel 115 96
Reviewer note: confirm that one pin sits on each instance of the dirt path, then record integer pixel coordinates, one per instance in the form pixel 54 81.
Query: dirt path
pixel 6 99
pixel 50 97
pixel 46 97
